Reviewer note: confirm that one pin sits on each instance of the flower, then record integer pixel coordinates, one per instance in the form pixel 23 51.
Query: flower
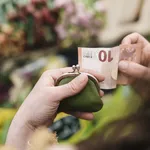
pixel 100 6
pixel 61 31
pixel 62 3
pixel 7 29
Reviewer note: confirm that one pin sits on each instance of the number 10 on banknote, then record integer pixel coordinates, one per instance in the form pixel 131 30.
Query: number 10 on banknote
pixel 104 60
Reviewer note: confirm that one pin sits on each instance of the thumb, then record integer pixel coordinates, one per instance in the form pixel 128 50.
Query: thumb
pixel 134 70
pixel 72 88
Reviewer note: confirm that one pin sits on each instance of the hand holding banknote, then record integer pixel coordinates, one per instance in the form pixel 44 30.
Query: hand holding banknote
pixel 132 69
pixel 132 56
pixel 106 60
pixel 138 74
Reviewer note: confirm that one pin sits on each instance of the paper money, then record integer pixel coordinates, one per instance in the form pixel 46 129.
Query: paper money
pixel 104 60
pixel 129 52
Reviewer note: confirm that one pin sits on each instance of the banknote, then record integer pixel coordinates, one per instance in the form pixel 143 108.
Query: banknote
pixel 129 52
pixel 105 61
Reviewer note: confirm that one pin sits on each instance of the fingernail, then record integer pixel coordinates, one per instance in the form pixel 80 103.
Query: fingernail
pixel 81 78
pixel 123 65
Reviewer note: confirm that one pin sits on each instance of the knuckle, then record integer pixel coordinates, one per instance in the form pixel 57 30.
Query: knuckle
pixel 135 34
pixel 45 73
pixel 125 38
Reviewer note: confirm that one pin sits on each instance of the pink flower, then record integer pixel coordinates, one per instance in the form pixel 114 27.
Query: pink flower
pixel 60 29
pixel 83 15
pixel 100 6
pixel 70 8
pixel 74 20
pixel 62 3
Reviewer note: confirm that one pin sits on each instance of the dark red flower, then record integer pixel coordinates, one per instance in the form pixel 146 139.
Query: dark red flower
pixel 48 18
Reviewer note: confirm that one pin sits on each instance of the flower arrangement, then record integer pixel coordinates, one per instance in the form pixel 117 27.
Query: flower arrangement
pixel 27 26
pixel 12 41
pixel 80 22
pixel 40 23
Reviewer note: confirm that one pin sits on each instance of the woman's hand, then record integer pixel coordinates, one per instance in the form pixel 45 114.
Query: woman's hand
pixel 40 107
pixel 134 70
pixel 138 74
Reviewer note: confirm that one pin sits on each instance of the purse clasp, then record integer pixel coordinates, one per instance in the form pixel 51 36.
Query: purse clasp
pixel 76 69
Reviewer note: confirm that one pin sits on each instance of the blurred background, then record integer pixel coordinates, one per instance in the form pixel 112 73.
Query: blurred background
pixel 36 35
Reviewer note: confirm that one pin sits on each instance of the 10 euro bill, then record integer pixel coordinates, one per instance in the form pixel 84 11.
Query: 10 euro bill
pixel 106 60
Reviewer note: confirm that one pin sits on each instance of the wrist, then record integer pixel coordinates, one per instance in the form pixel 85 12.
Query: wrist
pixel 19 132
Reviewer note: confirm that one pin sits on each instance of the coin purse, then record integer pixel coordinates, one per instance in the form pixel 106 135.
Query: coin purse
pixel 88 100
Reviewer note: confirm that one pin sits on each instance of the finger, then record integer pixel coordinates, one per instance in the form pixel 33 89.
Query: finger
pixel 82 115
pixel 134 38
pixel 102 93
pixel 58 72
pixel 71 88
pixel 97 74
pixel 50 76
pixel 134 70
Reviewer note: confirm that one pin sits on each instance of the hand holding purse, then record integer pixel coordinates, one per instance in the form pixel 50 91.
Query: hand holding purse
pixel 88 100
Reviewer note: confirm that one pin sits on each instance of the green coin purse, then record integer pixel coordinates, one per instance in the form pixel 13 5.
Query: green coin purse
pixel 88 100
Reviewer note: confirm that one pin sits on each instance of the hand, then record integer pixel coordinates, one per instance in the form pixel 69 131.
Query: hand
pixel 134 70
pixel 139 74
pixel 43 101
pixel 40 107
